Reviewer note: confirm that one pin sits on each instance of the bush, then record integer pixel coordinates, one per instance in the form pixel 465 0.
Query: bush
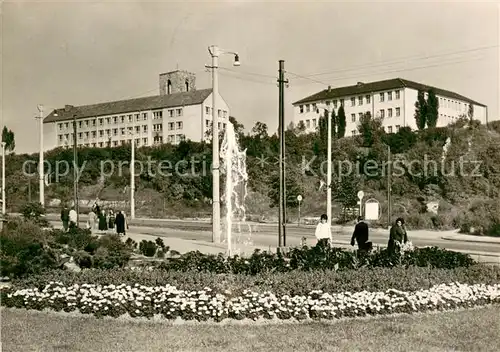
pixel 147 248
pixel 111 253
pixel 76 238
pixel 25 249
pixel 482 218
pixel 319 257
pixel 35 212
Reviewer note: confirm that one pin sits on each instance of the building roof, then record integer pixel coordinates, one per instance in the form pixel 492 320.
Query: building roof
pixel 130 105
pixel 362 88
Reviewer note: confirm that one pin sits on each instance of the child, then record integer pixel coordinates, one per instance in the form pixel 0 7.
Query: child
pixel 323 231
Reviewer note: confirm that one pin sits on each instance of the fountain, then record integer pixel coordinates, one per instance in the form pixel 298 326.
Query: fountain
pixel 233 165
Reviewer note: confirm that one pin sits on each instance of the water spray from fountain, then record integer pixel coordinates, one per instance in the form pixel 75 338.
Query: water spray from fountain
pixel 233 165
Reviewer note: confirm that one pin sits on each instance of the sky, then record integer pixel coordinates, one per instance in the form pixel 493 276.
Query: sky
pixel 78 53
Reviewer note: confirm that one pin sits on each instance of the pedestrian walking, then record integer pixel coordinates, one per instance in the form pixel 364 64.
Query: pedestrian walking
pixel 91 220
pixel 397 235
pixel 103 223
pixel 323 231
pixel 65 218
pixel 73 218
pixel 360 235
pixel 111 219
pixel 120 223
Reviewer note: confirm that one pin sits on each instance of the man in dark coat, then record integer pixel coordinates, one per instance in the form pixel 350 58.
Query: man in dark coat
pixel 120 223
pixel 103 224
pixel 360 235
pixel 65 218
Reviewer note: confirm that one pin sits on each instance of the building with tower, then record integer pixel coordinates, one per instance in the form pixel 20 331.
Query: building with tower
pixel 179 112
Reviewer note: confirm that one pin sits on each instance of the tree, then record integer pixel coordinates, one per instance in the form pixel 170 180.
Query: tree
pixel 421 110
pixel 346 192
pixel 370 129
pixel 238 127
pixel 260 130
pixel 301 127
pixel 341 122
pixel 8 138
pixel 432 109
pixel 471 111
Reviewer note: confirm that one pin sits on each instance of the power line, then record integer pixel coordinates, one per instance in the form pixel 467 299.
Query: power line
pixel 248 73
pixel 403 60
pixel 379 72
pixel 352 75
pixel 247 79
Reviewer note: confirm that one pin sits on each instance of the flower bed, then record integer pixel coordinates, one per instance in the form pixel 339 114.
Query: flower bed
pixel 171 303
pixel 291 283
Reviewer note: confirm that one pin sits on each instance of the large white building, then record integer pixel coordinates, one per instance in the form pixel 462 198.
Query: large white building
pixel 393 100
pixel 179 112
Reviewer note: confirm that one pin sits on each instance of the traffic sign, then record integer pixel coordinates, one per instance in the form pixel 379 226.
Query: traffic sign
pixel 299 198
pixel 361 194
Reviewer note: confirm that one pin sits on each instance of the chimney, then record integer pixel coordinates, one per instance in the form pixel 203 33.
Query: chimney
pixel 68 107
pixel 329 89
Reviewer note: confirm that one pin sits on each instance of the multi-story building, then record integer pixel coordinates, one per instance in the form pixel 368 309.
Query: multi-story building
pixel 393 100
pixel 179 112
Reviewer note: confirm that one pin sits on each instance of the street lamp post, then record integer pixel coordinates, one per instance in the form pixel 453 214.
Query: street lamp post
pixel 75 173
pixel 40 161
pixel 215 52
pixel 132 174
pixel 329 164
pixel 3 178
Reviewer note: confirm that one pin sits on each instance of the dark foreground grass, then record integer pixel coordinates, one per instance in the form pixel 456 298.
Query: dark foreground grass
pixel 469 330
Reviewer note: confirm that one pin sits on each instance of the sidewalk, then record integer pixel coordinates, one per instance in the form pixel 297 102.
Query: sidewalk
pixel 458 237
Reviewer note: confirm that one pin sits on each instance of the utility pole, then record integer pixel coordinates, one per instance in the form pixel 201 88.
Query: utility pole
pixel 3 178
pixel 215 52
pixel 41 169
pixel 75 173
pixel 389 183
pixel 281 114
pixel 132 176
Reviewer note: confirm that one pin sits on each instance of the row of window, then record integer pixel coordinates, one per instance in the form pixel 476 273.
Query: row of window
pixel 390 113
pixel 158 127
pixel 171 113
pixel 453 104
pixel 138 141
pixel 220 113
pixel 101 121
pixel 359 100
pixel 388 129
pixel 208 124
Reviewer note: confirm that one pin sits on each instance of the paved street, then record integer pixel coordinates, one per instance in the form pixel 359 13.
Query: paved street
pixel 196 233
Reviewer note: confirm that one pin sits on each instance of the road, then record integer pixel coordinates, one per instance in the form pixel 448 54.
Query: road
pixel 265 235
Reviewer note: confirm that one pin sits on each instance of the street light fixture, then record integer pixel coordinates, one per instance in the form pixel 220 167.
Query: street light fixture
pixel 132 172
pixel 215 52
pixel 3 178
pixel 329 163
pixel 41 171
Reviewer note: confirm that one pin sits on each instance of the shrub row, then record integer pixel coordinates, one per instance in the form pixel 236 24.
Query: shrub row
pixel 319 257
pixel 293 283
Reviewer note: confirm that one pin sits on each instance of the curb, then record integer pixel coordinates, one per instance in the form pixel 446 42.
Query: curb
pixel 468 240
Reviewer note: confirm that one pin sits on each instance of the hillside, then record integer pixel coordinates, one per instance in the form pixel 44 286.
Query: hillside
pixel 466 184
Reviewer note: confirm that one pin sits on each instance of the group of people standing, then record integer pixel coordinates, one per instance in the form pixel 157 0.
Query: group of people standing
pixel 97 219
pixel 69 218
pixel 397 234
pixel 106 220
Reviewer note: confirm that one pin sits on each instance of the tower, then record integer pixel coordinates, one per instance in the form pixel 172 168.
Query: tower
pixel 177 81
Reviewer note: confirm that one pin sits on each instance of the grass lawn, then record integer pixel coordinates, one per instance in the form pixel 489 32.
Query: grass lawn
pixel 470 330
